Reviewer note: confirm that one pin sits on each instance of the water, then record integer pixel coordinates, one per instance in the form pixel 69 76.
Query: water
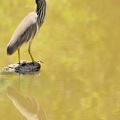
pixel 79 79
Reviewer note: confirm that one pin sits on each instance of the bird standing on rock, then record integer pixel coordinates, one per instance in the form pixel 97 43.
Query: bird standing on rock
pixel 27 29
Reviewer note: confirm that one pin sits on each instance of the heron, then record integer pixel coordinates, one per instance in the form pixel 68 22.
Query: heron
pixel 27 29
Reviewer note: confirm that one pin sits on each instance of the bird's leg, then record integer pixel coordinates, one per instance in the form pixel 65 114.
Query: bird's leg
pixel 19 56
pixel 29 51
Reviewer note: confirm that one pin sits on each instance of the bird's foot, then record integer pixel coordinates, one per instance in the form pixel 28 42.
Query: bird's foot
pixel 41 62
pixel 33 63
pixel 18 63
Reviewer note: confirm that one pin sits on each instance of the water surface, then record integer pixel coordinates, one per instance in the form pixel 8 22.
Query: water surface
pixel 80 77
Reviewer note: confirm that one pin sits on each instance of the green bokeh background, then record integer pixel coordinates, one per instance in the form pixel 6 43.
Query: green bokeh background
pixel 79 44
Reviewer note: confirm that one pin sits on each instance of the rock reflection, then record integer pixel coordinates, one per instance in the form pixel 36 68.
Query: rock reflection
pixel 26 105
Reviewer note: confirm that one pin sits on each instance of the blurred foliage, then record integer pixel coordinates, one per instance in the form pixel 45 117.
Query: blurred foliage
pixel 79 44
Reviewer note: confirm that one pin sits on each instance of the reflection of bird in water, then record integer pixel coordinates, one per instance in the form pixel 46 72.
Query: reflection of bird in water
pixel 27 29
pixel 27 106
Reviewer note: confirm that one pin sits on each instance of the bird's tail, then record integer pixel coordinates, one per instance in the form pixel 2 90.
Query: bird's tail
pixel 10 49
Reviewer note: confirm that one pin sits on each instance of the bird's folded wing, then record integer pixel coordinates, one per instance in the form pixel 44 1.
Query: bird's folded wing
pixel 25 31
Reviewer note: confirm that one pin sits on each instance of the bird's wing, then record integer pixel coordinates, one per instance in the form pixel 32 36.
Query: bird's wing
pixel 25 31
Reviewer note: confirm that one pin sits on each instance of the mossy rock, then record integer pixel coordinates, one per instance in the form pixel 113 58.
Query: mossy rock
pixel 24 67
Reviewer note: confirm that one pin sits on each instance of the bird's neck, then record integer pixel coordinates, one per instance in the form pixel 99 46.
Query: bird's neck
pixel 40 4
pixel 41 11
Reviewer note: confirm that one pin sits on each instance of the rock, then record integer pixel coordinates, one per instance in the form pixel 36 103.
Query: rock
pixel 24 67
